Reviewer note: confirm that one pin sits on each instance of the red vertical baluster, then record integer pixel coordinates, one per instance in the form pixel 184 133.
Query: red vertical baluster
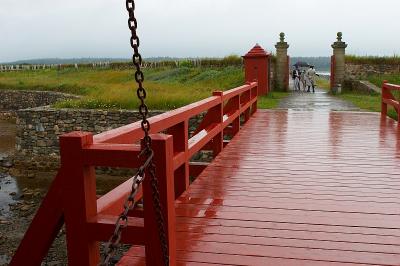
pixel 163 158
pixel 180 133
pixel 79 198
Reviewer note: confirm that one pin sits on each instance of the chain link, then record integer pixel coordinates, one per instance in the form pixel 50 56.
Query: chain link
pixel 130 203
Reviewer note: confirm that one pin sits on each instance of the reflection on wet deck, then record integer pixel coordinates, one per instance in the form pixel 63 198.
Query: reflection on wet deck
pixel 296 188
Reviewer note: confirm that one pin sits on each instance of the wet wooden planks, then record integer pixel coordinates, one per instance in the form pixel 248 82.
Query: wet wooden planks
pixel 296 188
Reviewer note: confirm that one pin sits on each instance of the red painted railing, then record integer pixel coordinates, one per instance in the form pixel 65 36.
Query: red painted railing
pixel 333 66
pixel 89 220
pixel 389 99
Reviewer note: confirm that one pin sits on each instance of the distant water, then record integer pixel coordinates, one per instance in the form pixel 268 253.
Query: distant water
pixel 324 73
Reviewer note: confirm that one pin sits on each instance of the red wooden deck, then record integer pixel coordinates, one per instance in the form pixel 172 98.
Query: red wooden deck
pixel 295 188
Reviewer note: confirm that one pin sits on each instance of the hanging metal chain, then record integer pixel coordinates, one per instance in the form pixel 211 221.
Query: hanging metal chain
pixel 130 203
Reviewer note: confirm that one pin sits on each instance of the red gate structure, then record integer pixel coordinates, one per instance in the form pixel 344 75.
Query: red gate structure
pixel 72 198
pixel 389 99
pixel 256 66
pixel 333 66
pixel 287 73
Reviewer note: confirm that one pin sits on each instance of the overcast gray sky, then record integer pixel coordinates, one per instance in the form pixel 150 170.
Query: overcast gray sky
pixel 191 28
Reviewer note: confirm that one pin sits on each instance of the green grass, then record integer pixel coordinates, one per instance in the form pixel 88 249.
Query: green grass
pixel 366 101
pixel 271 100
pixel 168 88
pixel 373 60
pixel 323 83
pixel 378 79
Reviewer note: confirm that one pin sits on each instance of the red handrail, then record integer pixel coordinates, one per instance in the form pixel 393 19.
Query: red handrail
pixel 389 99
pixel 72 196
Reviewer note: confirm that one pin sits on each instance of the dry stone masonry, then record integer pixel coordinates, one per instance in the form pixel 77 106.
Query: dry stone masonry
pixel 13 100
pixel 38 130
pixel 355 71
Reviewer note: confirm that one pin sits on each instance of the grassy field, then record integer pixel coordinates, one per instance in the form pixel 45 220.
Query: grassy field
pixel 323 83
pixel 373 60
pixel 168 88
pixel 378 79
pixel 366 101
pixel 271 100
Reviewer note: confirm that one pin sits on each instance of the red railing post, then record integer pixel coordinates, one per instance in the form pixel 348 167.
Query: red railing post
pixel 236 122
pixel 79 198
pixel 245 98
pixel 253 94
pixel 384 96
pixel 218 114
pixel 163 158
pixel 180 133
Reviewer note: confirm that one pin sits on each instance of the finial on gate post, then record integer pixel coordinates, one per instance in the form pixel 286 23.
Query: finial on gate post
pixel 282 36
pixel 339 36
pixel 339 43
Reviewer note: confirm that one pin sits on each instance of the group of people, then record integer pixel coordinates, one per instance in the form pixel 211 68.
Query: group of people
pixel 304 78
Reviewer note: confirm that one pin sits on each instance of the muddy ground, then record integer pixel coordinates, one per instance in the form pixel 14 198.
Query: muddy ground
pixel 19 200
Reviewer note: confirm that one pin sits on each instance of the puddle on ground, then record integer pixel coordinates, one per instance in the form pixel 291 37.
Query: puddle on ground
pixel 12 188
pixel 4 260
pixel 8 184
pixel 9 192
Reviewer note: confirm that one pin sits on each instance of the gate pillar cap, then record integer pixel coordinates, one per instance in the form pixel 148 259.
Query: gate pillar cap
pixel 257 51
pixel 339 43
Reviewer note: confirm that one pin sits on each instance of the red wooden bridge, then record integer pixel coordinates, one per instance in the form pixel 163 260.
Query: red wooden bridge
pixel 289 188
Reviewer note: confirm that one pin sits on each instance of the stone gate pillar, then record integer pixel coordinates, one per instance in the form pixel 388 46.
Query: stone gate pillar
pixel 338 61
pixel 256 67
pixel 282 64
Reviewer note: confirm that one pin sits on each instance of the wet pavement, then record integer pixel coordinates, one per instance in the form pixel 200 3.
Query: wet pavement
pixel 320 100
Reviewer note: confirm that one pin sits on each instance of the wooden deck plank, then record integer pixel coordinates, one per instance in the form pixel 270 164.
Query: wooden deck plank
pixel 295 188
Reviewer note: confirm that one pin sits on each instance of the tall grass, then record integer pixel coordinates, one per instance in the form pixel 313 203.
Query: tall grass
pixel 378 79
pixel 231 60
pixel 167 88
pixel 373 60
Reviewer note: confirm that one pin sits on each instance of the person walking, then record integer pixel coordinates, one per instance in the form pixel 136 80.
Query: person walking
pixel 310 74
pixel 303 79
pixel 296 78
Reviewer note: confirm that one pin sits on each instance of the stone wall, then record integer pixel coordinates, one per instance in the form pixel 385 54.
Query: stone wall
pixel 38 130
pixel 360 71
pixel 362 86
pixel 12 100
